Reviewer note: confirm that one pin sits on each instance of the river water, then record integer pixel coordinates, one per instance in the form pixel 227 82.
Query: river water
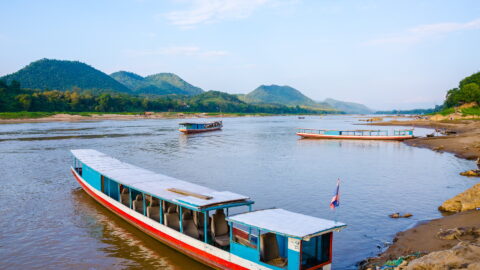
pixel 48 222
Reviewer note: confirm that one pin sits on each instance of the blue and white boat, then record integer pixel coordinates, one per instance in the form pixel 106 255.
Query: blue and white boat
pixel 195 220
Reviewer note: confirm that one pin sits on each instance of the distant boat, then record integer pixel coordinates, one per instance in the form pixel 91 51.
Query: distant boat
pixel 301 117
pixel 192 127
pixel 398 135
pixel 197 220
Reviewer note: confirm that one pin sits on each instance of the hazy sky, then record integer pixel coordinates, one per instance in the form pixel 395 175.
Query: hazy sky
pixel 386 54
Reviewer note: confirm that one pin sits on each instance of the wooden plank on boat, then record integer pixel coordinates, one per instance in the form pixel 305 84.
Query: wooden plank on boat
pixel 189 193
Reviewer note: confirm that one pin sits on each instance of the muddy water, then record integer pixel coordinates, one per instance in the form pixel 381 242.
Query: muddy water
pixel 48 222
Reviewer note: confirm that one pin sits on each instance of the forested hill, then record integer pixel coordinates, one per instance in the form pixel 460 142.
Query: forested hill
pixel 47 74
pixel 468 90
pixel 157 84
pixel 348 107
pixel 277 94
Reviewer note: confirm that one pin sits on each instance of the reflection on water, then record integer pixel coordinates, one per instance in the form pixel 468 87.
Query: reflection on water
pixel 47 222
pixel 123 241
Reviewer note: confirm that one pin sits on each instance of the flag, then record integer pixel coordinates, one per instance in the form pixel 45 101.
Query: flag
pixel 336 198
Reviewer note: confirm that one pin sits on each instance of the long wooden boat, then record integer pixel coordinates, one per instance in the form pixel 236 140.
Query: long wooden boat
pixel 195 220
pixel 398 135
pixel 192 127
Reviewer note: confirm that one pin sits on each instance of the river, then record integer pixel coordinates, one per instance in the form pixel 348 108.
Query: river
pixel 48 222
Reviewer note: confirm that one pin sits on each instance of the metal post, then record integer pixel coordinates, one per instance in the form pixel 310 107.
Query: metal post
pixel 161 211
pixel 130 197
pixel 144 208
pixel 227 212
pixel 205 229
pixel 249 208
pixel 180 217
pixel 258 242
pixel 230 224
pixel 119 195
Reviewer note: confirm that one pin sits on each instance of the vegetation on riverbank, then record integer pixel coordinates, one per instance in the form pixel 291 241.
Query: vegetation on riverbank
pixel 15 99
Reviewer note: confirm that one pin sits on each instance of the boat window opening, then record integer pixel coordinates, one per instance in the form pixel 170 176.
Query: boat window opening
pixel 111 188
pixel 273 249
pixel 199 222
pixel 316 251
pixel 245 235
pixel 77 165
pixel 124 195
pixel 188 225
pixel 153 209
pixel 220 229
pixel 136 198
pixel 172 217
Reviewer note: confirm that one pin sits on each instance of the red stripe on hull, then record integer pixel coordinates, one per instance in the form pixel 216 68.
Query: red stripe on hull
pixel 189 131
pixel 191 251
pixel 383 138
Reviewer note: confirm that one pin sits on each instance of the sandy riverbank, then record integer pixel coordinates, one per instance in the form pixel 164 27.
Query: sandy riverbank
pixel 423 240
pixel 99 117
pixel 464 144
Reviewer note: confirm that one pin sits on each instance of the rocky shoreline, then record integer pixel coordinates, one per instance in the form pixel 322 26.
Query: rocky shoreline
pixel 450 242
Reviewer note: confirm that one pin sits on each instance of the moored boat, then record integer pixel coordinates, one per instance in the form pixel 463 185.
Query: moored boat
pixel 398 135
pixel 195 220
pixel 192 127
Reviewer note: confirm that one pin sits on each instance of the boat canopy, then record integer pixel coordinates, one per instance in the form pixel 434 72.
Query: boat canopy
pixel 290 224
pixel 162 186
pixel 198 123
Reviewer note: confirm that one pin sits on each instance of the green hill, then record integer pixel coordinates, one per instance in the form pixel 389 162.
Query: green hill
pixel 276 94
pixel 157 84
pixel 348 107
pixel 64 75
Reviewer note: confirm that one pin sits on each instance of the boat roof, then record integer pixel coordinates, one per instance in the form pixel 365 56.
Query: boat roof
pixel 198 123
pixel 162 186
pixel 287 223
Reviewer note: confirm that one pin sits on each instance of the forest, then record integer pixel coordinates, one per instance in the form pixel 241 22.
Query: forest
pixel 13 98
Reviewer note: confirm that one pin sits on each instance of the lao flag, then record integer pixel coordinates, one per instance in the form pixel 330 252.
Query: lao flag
pixel 336 198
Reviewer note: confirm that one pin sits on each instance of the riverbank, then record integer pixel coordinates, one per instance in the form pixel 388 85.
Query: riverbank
pixel 66 117
pixel 465 143
pixel 424 246
pixel 424 239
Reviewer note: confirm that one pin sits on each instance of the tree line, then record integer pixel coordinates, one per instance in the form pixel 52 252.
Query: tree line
pixel 13 98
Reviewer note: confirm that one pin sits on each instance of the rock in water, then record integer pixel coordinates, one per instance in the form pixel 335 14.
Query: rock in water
pixel 467 200
pixel 471 173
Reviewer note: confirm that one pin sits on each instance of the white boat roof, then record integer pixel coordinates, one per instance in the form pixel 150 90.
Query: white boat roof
pixel 287 223
pixel 153 183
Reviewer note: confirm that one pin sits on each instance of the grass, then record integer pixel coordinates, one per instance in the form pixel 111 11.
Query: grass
pixel 22 115
pixel 471 111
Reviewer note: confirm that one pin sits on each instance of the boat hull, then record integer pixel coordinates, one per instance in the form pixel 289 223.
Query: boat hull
pixel 191 131
pixel 198 250
pixel 353 137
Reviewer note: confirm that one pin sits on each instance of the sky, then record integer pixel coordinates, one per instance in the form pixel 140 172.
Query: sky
pixel 386 54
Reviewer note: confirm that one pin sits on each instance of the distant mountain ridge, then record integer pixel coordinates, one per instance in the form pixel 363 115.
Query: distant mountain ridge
pixel 284 95
pixel 348 107
pixel 158 84
pixel 64 75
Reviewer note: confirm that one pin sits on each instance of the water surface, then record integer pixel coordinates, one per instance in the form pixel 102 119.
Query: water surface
pixel 48 222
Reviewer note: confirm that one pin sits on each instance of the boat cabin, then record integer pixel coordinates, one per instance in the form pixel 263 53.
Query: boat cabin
pixel 193 127
pixel 281 239
pixel 191 209
pixel 196 220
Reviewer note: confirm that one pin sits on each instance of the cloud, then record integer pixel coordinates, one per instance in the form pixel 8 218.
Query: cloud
pixel 211 11
pixel 191 51
pixel 424 32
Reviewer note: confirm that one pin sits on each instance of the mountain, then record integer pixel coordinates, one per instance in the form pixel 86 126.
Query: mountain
pixel 276 94
pixel 176 81
pixel 348 107
pixel 64 75
pixel 158 84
